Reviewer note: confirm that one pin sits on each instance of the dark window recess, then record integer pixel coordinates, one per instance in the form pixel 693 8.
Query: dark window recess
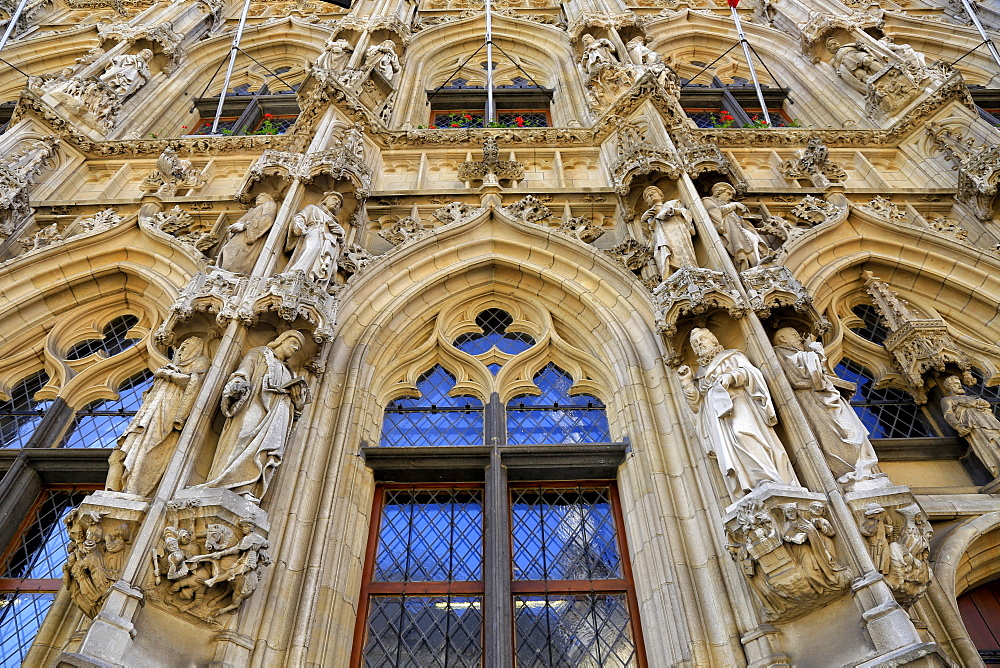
pixel 6 113
pixel 554 416
pixel 246 113
pixel 101 423
pixel 522 100
pixel 873 326
pixel 886 412
pixel 433 418
pixel 712 106
pixel 115 340
pixel 987 103
pixel 31 573
pixel 21 414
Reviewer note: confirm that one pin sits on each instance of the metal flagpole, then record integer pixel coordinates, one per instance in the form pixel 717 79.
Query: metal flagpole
pixel 491 112
pixel 14 18
pixel 753 73
pixel 982 31
pixel 232 62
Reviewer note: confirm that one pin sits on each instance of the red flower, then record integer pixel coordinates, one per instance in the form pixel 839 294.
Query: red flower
pixel 433 127
pixel 456 125
pixel 520 121
pixel 467 117
pixel 268 115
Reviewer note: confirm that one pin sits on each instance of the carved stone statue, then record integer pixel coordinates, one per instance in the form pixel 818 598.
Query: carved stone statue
pixel 841 434
pixel 974 420
pixel 879 532
pixel 127 73
pixel 242 574
pixel 642 54
pixel 95 557
pixel 137 464
pixel 597 54
pixel 907 54
pixel 811 540
pixel 262 399
pixel 743 242
pixel 735 416
pixel 383 59
pixel 850 60
pixel 317 238
pixel 898 537
pixel 334 57
pixel 672 229
pixel 245 237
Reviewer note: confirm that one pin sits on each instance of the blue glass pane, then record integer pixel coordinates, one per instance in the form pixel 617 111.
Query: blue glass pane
pixel 425 428
pixel 424 632
pixel 41 547
pixel 101 423
pixel 21 616
pixel 430 536
pixel 990 393
pixel 21 414
pixel 434 386
pixel 555 384
pixel 566 534
pixel 115 339
pixel 874 328
pixel 573 630
pixel 555 416
pixel 494 323
pixel 886 412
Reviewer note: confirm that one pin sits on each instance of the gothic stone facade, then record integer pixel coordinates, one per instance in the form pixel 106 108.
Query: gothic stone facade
pixel 632 377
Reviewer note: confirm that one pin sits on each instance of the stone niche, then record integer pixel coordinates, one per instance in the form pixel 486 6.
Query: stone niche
pixel 210 555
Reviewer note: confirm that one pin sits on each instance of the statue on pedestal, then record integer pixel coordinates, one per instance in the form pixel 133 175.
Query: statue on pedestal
pixel 743 242
pixel 672 229
pixel 316 237
pixel 244 238
pixel 974 420
pixel 127 73
pixel 735 416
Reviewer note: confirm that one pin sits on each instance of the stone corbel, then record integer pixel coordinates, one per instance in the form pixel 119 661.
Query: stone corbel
pixel 294 296
pixel 220 292
pixel 917 345
pixel 889 90
pixel 978 167
pixel 211 555
pixel 100 531
pixel 771 287
pixel 783 543
pixel 898 534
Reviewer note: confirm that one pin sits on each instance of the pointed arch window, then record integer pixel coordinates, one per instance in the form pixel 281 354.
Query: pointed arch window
pixel 115 339
pixel 555 416
pixel 873 327
pixel 435 417
pixel 101 423
pixel 21 414
pixel 887 412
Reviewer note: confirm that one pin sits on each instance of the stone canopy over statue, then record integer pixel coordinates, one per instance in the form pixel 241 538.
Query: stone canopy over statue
pixel 841 434
pixel 261 401
pixel 735 416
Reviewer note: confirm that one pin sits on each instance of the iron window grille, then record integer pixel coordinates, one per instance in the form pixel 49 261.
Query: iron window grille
pixel 571 596
pixel 101 423
pixel 31 572
pixel 989 393
pixel 555 416
pixel 435 417
pixel 21 414
pixel 520 97
pixel 887 412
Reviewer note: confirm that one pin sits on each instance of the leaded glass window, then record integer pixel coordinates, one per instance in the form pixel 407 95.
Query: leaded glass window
pixel 115 339
pixel 435 417
pixel 30 573
pixel 886 412
pixel 20 415
pixel 101 423
pixel 494 323
pixel 873 327
pixel 990 393
pixel 554 416
pixel 426 582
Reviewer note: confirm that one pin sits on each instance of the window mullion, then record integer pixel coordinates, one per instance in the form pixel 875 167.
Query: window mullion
pixel 498 647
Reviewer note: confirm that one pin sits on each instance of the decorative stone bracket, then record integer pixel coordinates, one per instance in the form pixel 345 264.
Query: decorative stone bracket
pixel 898 536
pixel 783 543
pixel 210 556
pixel 17 173
pixel 220 292
pixel 100 532
pixel 978 167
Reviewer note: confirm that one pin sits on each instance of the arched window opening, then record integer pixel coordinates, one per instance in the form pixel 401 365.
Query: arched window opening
pixel 731 102
pixel 31 572
pixel 873 327
pixel 435 418
pixel 115 339
pixel 101 423
pixel 22 413
pixel 555 416
pixel 494 323
pixel 990 393
pixel 461 102
pixel 886 412
pixel 264 104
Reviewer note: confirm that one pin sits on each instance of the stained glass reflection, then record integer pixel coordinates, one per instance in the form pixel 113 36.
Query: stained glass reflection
pixel 555 416
pixel 430 535
pixel 424 632
pixel 434 418
pixel 573 631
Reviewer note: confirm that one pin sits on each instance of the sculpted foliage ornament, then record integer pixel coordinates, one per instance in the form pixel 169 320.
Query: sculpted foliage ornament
pixel 783 543
pixel 404 231
pixel 949 226
pixel 455 212
pixel 883 208
pixel 104 219
pixel 582 229
pixel 18 172
pixel 774 287
pixel 692 291
pixel 220 292
pixel 87 99
pixel 814 164
pixel 528 210
pixel 491 170
pixel 172 173
pixel 978 167
pixel 813 211
pixel 46 236
pixel 179 224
